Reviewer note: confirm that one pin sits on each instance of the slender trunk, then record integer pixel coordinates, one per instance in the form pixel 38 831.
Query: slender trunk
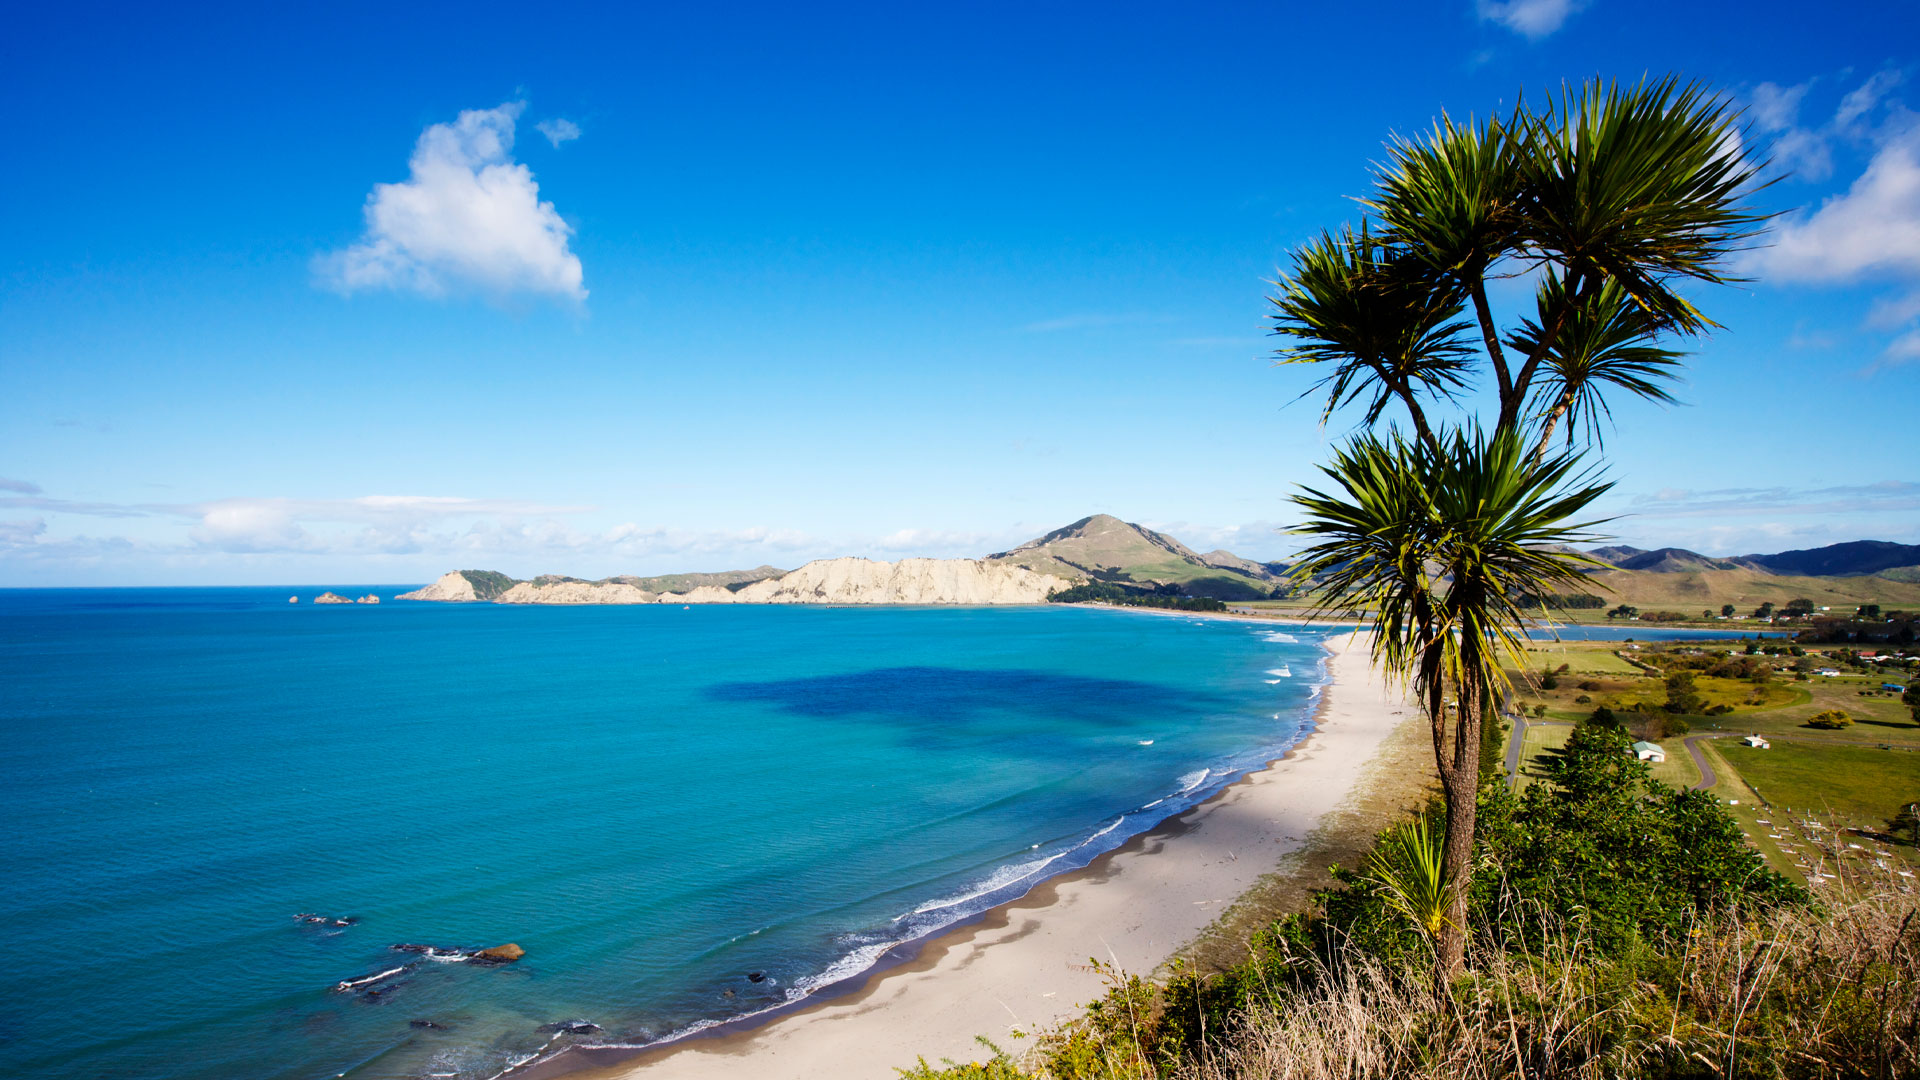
pixel 1491 334
pixel 1510 406
pixel 1553 419
pixel 1415 413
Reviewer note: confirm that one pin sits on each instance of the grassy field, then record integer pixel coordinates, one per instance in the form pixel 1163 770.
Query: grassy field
pixel 1860 785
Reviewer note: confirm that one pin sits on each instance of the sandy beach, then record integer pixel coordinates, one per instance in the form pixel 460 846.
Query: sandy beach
pixel 1025 965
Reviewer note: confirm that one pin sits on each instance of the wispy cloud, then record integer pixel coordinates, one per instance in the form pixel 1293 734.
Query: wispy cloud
pixel 467 217
pixel 1889 496
pixel 558 130
pixel 1532 19
pixel 20 487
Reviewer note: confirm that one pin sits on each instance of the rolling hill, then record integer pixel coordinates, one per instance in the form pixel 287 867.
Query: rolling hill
pixel 1104 548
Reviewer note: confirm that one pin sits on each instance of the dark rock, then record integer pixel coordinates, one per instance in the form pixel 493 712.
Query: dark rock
pixel 572 1027
pixel 426 1025
pixel 756 976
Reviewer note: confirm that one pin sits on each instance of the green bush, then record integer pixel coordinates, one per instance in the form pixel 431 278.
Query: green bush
pixel 1830 720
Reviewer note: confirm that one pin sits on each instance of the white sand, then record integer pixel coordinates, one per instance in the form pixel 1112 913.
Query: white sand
pixel 1024 965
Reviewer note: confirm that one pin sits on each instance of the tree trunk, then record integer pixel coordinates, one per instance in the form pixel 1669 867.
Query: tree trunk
pixel 1460 784
pixel 1553 419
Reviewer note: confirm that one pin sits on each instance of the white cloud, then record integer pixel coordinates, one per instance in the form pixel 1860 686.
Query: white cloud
pixel 1874 227
pixel 1533 19
pixel 1777 108
pixel 558 130
pixel 468 216
pixel 1862 100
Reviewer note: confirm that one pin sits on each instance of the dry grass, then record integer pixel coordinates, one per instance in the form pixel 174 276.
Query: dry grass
pixel 1830 992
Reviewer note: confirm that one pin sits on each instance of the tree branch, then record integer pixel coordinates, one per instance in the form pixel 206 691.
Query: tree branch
pixel 1491 334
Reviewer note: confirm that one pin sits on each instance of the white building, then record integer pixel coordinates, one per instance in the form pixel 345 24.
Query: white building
pixel 1756 742
pixel 1647 751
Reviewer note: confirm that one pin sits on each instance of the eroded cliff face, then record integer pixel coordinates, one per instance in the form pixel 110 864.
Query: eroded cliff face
pixel 575 592
pixel 452 588
pixel 909 581
pixel 827 581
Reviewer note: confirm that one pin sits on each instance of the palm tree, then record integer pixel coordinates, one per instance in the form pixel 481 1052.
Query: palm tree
pixel 1616 197
pixel 1440 541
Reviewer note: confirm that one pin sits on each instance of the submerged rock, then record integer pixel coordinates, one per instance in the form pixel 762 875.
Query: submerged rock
pixel 571 1027
pixel 500 954
pixel 427 1025
pixel 756 976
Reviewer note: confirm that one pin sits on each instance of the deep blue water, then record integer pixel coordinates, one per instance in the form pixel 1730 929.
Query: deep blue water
pixel 655 802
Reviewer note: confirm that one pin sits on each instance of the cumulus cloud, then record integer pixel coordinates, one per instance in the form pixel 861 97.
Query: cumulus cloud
pixel 1533 19
pixel 558 130
pixel 1873 227
pixel 467 217
pixel 1869 232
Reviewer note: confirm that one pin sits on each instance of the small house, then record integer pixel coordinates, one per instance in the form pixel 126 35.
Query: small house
pixel 1831 673
pixel 1756 742
pixel 1647 751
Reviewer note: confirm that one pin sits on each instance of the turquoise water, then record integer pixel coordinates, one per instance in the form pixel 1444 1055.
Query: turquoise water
pixel 657 803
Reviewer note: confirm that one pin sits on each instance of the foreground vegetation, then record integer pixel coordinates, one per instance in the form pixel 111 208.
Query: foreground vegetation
pixel 1618 927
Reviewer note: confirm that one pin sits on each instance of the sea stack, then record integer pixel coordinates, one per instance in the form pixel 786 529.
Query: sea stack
pixel 368 599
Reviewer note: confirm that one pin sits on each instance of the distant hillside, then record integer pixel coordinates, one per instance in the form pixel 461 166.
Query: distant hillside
pixel 1104 548
pixel 1858 558
pixel 1746 588
pixel 1616 552
pixel 1840 560
pixel 1673 561
pixel 679 583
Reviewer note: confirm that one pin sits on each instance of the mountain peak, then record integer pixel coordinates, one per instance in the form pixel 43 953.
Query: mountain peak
pixel 1102 547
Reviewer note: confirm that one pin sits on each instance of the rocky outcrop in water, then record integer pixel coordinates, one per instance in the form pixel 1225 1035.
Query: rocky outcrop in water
pixel 331 598
pixel 368 599
pixel 499 954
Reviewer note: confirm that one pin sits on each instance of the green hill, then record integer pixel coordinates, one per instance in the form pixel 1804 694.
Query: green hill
pixel 1104 548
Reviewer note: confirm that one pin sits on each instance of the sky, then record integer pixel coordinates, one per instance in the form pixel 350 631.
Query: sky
pixel 361 294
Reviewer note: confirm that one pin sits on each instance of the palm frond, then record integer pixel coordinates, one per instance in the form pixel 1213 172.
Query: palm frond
pixel 1605 342
pixel 1372 313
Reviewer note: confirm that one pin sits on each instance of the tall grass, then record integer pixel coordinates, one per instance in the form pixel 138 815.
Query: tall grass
pixel 1829 991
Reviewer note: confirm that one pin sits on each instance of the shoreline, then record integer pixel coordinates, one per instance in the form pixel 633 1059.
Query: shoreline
pixel 1024 964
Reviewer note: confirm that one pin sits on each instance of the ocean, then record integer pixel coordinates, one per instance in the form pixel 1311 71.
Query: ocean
pixel 223 810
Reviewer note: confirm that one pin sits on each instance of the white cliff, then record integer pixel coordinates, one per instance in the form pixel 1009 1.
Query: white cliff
pixel 909 581
pixel 452 588
pixel 825 581
pixel 575 592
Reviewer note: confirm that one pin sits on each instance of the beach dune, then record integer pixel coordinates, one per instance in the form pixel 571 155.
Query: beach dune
pixel 1025 965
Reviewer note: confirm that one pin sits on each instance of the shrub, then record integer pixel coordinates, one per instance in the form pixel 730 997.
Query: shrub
pixel 1583 699
pixel 1589 684
pixel 1830 720
pixel 1719 710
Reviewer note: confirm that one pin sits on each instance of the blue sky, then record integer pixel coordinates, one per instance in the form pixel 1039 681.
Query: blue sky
pixel 355 295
